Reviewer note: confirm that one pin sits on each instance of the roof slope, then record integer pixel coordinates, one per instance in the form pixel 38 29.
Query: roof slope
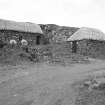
pixel 87 33
pixel 19 26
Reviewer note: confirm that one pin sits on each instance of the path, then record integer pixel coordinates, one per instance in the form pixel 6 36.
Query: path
pixel 43 85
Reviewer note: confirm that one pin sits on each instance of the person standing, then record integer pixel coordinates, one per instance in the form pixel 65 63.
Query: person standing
pixel 24 44
pixel 20 38
pixel 13 43
pixel 74 46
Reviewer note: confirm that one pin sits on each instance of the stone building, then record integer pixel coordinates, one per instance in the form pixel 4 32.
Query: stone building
pixel 89 42
pixel 13 30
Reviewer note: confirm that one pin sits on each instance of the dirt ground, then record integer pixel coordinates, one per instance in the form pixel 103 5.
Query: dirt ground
pixel 43 84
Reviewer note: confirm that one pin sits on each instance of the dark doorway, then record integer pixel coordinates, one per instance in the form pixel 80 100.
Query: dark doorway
pixel 74 46
pixel 38 39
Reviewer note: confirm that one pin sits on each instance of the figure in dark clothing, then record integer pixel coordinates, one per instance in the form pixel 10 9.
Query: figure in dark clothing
pixel 74 46
pixel 20 38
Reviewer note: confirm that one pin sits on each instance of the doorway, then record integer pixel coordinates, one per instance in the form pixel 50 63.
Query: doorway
pixel 38 39
pixel 74 46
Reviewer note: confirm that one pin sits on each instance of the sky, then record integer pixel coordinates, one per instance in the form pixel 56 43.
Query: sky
pixel 73 13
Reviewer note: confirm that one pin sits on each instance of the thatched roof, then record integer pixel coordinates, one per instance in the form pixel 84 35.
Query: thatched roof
pixel 87 33
pixel 19 26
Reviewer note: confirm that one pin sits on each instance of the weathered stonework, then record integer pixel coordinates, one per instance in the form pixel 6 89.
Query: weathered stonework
pixel 6 35
pixel 92 48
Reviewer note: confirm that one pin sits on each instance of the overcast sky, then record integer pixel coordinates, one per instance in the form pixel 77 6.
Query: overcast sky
pixel 74 13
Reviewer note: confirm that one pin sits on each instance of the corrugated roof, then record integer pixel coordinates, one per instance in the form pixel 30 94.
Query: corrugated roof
pixel 87 33
pixel 20 26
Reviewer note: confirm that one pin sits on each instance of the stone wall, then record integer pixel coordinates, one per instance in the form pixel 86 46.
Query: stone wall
pixel 6 35
pixel 92 48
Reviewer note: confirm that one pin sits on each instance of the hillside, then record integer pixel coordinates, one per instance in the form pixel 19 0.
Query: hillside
pixel 55 33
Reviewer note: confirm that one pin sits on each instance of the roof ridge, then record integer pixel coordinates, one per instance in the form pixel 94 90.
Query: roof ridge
pixel 20 26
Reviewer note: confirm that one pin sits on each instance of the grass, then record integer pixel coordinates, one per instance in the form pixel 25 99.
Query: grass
pixel 46 85
pixel 96 96
pixel 57 54
pixel 85 97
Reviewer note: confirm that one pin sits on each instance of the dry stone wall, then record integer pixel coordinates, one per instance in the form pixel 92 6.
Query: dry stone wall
pixel 92 48
pixel 6 35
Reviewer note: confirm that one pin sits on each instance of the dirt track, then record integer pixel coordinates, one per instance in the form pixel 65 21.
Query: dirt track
pixel 43 84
